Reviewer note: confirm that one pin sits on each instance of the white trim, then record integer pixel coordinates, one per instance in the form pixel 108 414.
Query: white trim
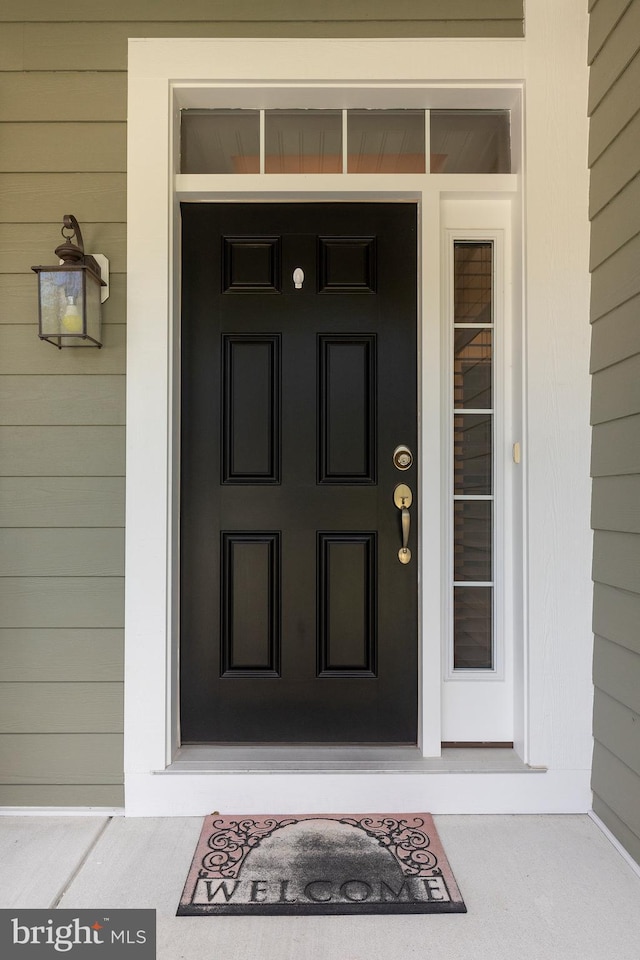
pixel 309 186
pixel 263 142
pixel 552 711
pixel 635 866
pixel 196 794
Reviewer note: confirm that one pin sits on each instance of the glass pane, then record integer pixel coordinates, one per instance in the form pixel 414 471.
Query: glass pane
pixel 303 141
pixel 470 141
pixel 385 141
pixel 472 454
pixel 473 282
pixel 472 628
pixel 472 369
pixel 472 540
pixel 220 141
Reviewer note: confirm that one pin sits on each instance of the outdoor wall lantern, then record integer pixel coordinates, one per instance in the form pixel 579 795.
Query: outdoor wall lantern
pixel 70 294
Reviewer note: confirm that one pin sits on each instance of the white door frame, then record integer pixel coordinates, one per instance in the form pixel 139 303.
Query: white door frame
pixel 164 75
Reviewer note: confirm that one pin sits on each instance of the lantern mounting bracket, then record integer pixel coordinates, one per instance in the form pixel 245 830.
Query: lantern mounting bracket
pixel 70 252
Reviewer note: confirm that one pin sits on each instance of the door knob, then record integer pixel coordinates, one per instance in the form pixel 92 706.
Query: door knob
pixel 403 498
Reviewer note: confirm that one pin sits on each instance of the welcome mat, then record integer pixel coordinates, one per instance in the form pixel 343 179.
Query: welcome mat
pixel 320 864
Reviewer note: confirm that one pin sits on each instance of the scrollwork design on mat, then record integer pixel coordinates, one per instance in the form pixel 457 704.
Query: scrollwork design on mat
pixel 231 841
pixel 405 839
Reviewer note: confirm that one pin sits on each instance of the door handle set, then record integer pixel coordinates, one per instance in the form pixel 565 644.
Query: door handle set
pixel 403 498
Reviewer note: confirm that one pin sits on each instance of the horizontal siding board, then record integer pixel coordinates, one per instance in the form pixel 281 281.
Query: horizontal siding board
pixel 615 504
pixel 629 840
pixel 615 110
pixel 61 708
pixel 33 197
pixel 54 46
pixel 61 399
pixel 61 795
pixel 64 148
pixel 83 758
pixel 616 224
pixel 602 21
pixel 616 336
pixel 618 786
pixel 615 448
pixel 61 502
pixel 257 10
pixel 615 167
pixel 12 46
pixel 19 304
pixel 621 47
pixel 616 390
pixel 58 552
pixel 616 672
pixel 31 655
pixel 616 280
pixel 62 451
pixel 22 353
pixel 50 96
pixel 114 309
pixel 23 245
pixel 54 602
pixel 616 727
pixel 616 615
pixel 616 559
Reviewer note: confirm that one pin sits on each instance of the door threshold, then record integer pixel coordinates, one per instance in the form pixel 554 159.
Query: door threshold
pixel 343 759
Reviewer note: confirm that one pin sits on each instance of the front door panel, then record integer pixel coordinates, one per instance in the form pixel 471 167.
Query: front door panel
pixel 298 620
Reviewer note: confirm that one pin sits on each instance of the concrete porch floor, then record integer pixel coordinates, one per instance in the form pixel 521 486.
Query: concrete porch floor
pixel 536 887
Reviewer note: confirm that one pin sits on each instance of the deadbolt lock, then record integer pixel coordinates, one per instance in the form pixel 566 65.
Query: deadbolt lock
pixel 402 457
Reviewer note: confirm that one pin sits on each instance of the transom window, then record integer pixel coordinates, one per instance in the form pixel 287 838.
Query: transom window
pixel 345 141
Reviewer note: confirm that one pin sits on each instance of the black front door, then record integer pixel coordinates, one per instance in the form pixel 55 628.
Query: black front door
pixel 298 620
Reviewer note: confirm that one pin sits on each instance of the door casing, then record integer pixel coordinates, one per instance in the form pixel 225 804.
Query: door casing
pixel 364 73
pixel 425 190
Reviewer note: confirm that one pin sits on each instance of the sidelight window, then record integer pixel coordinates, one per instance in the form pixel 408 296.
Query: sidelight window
pixel 473 446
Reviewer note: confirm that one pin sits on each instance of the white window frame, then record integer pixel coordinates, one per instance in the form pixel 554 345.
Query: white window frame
pixel 470 698
pixel 161 74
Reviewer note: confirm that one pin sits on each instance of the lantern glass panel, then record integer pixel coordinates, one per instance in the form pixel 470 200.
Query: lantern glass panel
pixel 70 307
pixel 61 302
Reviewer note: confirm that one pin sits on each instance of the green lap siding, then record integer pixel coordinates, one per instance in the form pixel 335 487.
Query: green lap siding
pixel 614 104
pixel 45 655
pixel 63 107
pixel 60 758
